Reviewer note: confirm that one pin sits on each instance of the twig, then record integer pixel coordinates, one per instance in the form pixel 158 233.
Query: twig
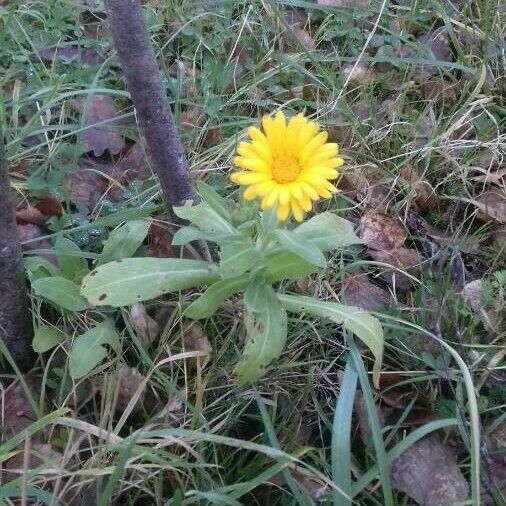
pixel 142 75
pixel 15 321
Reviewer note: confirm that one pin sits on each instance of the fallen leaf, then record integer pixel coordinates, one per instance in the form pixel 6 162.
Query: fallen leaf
pixel 428 473
pixel 438 44
pixel 381 232
pixel 424 196
pixel 87 186
pixel 496 457
pixel 500 238
pixel 128 382
pixel 50 206
pixel 101 137
pixel 147 328
pixel 497 177
pixel 363 418
pixel 472 294
pixel 159 242
pixel 304 479
pixel 32 215
pixel 366 188
pixel 72 52
pixel 404 259
pixel 491 206
pixel 360 292
pixel 358 74
pixel 194 339
pixel 304 38
pixel 30 232
pixel 16 411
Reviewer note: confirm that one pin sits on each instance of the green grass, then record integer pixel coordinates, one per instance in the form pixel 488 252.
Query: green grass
pixel 228 63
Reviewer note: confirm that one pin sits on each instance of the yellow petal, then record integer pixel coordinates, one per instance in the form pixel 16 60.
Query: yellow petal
pixel 309 190
pixel 269 129
pixel 323 172
pixel 253 164
pixel 251 192
pixel 247 177
pixel 322 155
pixel 283 212
pixel 310 148
pixel 296 190
pixel 284 194
pixel 306 133
pixel 261 149
pixel 256 135
pixel 265 187
pixel 297 211
pixel 280 129
pixel 331 163
pixel 330 187
pixel 270 198
pixel 246 150
pixel 292 130
pixel 306 203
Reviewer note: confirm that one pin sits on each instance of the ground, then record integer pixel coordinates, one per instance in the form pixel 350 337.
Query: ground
pixel 413 92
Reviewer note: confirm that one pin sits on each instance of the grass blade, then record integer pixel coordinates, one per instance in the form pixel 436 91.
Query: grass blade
pixel 341 436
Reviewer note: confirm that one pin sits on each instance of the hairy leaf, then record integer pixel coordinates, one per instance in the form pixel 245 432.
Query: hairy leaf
pixel 72 263
pixel 266 339
pixel 88 348
pixel 237 257
pixel 132 280
pixel 61 292
pixel 286 265
pixel 365 326
pixel 46 337
pixel 211 197
pixel 124 241
pixel 303 248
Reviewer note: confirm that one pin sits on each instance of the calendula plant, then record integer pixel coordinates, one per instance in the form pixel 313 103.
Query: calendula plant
pixel 288 166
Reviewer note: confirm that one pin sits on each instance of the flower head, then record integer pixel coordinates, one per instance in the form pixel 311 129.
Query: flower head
pixel 289 165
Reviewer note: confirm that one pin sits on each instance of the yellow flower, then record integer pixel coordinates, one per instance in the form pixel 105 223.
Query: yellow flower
pixel 289 165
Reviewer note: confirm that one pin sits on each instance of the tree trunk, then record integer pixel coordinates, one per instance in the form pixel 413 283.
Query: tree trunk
pixel 142 75
pixel 15 320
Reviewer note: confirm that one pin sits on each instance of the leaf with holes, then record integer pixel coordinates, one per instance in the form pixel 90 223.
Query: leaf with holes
pixel 124 241
pixel 88 349
pixel 266 340
pixel 365 326
pixel 132 280
pixel 60 291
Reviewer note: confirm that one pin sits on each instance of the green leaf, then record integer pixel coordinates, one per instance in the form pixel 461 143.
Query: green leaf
pixel 204 217
pixel 302 248
pixel 266 339
pixel 88 348
pixel 211 197
pixel 124 241
pixel 365 326
pixel 38 267
pixel 187 234
pixel 210 300
pixel 61 292
pixel 237 257
pixel 269 220
pixel 46 337
pixel 72 263
pixel 286 265
pixel 327 231
pixel 131 280
pixel 257 295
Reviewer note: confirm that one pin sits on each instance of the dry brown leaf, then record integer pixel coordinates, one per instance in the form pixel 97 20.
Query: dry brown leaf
pixel 307 481
pixel 497 177
pixel 304 38
pixel 500 239
pixel 496 445
pixel 358 74
pixel 194 339
pixel 360 292
pixel 491 206
pixel 438 44
pixel 50 206
pixel 404 259
pixel 159 241
pixel 381 232
pixel 428 473
pixel 472 294
pixel 31 215
pixel 129 380
pixel 147 328
pixel 16 410
pixel 368 190
pixel 101 137
pixel 87 186
pixel 424 195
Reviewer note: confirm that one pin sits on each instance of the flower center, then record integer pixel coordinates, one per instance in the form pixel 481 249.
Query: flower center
pixel 285 168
